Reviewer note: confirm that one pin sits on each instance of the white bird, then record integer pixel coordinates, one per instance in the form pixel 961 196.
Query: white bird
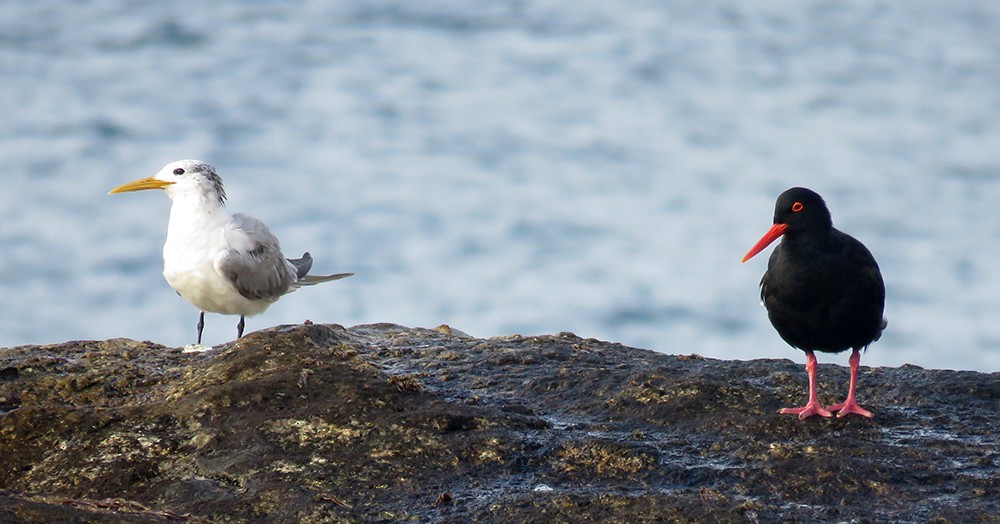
pixel 220 262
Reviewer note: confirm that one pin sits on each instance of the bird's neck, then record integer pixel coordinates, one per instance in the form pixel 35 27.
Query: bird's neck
pixel 817 240
pixel 196 221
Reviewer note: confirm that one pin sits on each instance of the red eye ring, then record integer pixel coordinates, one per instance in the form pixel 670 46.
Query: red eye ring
pixel 796 207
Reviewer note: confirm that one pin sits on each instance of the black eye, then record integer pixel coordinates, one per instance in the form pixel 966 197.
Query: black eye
pixel 179 171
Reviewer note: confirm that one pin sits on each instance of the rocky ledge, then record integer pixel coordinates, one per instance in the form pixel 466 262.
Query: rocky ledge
pixel 382 423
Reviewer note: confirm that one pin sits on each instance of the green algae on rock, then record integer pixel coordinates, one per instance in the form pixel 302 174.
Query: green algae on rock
pixel 382 423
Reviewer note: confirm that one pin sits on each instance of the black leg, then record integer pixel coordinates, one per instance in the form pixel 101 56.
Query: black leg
pixel 201 325
pixel 239 327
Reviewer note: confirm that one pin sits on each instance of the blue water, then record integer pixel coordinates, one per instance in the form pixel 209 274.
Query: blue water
pixel 508 167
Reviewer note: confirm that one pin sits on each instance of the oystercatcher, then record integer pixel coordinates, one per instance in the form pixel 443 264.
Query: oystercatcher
pixel 822 289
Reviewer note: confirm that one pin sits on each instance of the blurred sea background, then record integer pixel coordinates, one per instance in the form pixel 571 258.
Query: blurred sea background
pixel 507 166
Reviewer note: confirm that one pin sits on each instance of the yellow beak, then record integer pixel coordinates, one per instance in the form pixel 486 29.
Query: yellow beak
pixel 139 185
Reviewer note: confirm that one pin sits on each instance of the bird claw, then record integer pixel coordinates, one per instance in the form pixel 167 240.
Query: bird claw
pixel 849 406
pixel 810 409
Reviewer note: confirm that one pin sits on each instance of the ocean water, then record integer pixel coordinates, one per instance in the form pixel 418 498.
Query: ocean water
pixel 508 167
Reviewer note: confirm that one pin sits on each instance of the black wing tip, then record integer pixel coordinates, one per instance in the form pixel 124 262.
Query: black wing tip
pixel 302 265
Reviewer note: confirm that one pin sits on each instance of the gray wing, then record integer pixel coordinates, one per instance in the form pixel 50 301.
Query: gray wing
pixel 254 263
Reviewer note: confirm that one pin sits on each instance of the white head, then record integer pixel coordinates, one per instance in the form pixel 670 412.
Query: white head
pixel 182 179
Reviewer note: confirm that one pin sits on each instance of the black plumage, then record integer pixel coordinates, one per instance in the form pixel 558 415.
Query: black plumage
pixel 823 289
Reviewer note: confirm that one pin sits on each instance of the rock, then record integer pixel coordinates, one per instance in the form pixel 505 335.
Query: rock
pixel 382 423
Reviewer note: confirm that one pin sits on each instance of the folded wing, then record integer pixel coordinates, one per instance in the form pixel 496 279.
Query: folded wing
pixel 254 263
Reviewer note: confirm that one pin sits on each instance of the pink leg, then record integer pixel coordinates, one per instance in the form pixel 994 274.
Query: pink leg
pixel 812 407
pixel 850 405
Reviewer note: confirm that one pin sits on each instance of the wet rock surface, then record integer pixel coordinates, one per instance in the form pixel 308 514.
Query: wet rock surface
pixel 382 423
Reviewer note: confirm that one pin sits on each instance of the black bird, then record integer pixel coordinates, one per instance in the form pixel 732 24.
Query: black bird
pixel 822 289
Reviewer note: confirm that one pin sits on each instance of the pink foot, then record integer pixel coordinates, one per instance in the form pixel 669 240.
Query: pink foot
pixel 810 409
pixel 850 406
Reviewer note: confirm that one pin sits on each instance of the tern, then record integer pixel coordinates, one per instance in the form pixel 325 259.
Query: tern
pixel 220 262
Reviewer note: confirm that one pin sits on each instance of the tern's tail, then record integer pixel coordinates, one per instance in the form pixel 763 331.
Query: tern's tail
pixel 303 265
pixel 310 280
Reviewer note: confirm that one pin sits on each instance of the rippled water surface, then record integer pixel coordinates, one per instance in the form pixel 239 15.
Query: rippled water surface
pixel 529 167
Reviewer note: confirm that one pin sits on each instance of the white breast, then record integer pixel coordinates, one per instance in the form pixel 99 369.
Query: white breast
pixel 195 238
